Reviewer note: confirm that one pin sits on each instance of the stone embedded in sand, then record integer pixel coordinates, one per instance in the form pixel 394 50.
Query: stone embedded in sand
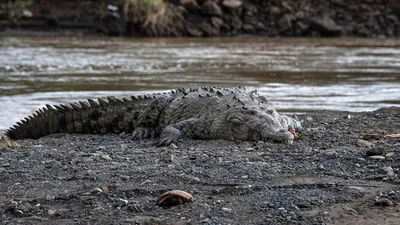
pixel 174 197
pixel 364 143
pixel 377 157
pixel 383 202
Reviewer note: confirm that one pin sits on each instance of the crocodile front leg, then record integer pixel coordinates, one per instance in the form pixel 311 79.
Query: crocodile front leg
pixel 148 119
pixel 188 128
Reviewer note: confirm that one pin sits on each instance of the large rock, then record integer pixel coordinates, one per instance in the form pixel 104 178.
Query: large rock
pixel 211 8
pixel 232 4
pixel 190 5
pixel 217 22
pixel 326 26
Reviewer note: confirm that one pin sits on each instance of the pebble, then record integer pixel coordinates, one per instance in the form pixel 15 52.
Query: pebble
pixel 18 212
pixel 106 157
pixel 13 204
pixel 172 145
pixel 96 191
pixel 330 153
pixel 51 212
pixel 383 202
pixel 389 171
pixel 364 143
pixel 389 154
pixel 377 157
pixel 225 209
pixel 321 167
pixel 145 182
pixel 122 202
pixel 124 147
pixel 375 151
pixel 50 197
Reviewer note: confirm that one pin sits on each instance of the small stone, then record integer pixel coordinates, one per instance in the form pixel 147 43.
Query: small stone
pixel 357 188
pixel 387 169
pixel 330 153
pixel 377 157
pixel 375 151
pixel 50 197
pixel 168 158
pixel 96 191
pixel 6 165
pixel 145 182
pixel 18 212
pixel 225 209
pixel 122 202
pixel 102 148
pixel 172 145
pixel 12 204
pixel 383 202
pixel 51 212
pixel 321 167
pixel 106 157
pixel 124 147
pixel 303 205
pixel 309 118
pixel 389 154
pixel 364 143
pixel 26 13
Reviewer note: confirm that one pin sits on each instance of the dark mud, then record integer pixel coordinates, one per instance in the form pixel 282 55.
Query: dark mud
pixel 324 178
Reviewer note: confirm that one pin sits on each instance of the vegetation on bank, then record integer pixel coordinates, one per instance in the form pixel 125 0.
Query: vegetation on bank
pixel 375 18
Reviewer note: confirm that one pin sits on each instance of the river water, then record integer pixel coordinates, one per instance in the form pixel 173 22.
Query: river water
pixel 297 75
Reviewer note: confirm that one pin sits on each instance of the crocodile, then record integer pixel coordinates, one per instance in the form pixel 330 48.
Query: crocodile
pixel 231 113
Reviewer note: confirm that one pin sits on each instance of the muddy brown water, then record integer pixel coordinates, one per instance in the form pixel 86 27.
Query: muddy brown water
pixel 297 75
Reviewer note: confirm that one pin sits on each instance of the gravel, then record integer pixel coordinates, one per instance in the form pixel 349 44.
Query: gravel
pixel 325 177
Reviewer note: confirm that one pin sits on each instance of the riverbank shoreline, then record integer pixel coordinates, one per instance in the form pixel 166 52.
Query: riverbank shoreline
pixel 344 170
pixel 192 18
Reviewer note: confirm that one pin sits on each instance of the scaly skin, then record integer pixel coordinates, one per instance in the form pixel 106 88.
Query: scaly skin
pixel 202 113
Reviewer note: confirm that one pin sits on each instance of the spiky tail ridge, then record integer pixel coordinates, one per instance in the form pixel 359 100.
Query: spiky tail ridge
pixel 105 116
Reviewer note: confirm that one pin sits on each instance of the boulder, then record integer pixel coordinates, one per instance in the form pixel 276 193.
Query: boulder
pixel 232 4
pixel 217 22
pixel 326 26
pixel 190 5
pixel 211 8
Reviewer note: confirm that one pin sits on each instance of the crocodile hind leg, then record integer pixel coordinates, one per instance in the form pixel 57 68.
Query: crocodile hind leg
pixel 187 128
pixel 148 119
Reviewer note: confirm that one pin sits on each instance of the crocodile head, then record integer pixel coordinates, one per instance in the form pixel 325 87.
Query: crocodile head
pixel 256 124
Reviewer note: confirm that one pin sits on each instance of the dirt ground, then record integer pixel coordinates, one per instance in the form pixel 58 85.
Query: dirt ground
pixel 323 178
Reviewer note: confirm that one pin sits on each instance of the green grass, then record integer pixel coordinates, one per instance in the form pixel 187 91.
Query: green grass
pixel 20 3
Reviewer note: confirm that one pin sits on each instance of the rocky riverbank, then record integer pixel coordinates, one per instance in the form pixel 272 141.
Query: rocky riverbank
pixel 204 18
pixel 344 170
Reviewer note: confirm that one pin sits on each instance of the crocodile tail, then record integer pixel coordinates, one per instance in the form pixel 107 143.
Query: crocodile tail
pixel 109 115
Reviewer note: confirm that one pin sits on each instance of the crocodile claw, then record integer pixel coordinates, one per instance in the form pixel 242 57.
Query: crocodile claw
pixel 141 133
